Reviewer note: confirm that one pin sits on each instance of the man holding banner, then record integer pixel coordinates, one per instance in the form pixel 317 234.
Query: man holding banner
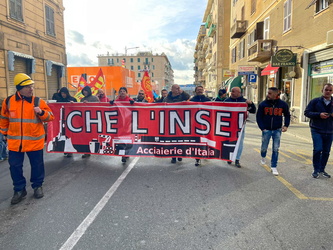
pixel 176 95
pixel 236 96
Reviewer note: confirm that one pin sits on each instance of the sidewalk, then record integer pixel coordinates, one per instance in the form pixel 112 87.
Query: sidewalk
pixel 299 130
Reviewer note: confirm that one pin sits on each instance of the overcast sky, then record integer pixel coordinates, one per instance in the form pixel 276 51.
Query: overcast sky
pixel 99 26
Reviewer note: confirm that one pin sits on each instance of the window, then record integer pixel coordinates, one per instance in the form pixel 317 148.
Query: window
pixel 152 59
pixel 287 15
pixel 49 15
pixel 233 55
pixel 139 67
pixel 251 38
pixel 242 49
pixel 131 60
pixel 253 6
pixel 139 74
pixel 110 61
pixel 132 67
pixel 321 5
pixel 15 10
pixel 266 28
pixel 152 74
pixel 138 59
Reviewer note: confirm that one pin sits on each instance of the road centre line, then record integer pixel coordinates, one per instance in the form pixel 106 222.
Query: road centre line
pixel 294 190
pixel 81 229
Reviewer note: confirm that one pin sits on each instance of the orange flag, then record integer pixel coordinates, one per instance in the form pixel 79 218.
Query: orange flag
pixel 146 86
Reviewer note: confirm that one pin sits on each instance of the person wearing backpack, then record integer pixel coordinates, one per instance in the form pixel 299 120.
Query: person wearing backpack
pixel 21 121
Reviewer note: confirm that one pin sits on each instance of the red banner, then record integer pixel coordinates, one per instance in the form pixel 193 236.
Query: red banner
pixel 187 129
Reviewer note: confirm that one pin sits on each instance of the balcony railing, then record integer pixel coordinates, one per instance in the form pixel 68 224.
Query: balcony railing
pixel 212 30
pixel 260 51
pixel 238 29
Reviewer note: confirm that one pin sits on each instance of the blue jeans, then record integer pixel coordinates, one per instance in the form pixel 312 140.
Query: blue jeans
pixel 3 148
pixel 265 138
pixel 321 150
pixel 16 169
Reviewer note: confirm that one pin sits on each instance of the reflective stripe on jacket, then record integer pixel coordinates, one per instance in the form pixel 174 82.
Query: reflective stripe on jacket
pixel 23 127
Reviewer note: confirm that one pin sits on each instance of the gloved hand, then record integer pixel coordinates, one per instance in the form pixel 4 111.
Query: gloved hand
pixel 131 102
pixel 111 102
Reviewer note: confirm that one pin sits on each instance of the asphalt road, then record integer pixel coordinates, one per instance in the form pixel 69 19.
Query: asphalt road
pixel 149 203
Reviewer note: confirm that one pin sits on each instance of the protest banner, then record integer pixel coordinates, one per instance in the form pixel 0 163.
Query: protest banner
pixel 187 129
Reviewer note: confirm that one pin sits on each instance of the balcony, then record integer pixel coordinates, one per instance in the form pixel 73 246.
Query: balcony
pixel 260 51
pixel 202 31
pixel 208 21
pixel 211 67
pixel 208 54
pixel 212 30
pixel 201 65
pixel 201 55
pixel 238 29
pixel 205 43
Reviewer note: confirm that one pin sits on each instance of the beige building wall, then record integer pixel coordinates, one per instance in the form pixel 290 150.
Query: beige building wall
pixel 308 34
pixel 34 47
pixel 212 50
pixel 160 69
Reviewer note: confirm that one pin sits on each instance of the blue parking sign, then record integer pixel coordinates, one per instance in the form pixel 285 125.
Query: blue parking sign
pixel 252 77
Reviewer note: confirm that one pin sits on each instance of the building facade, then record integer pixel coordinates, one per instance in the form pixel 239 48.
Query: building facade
pixel 262 30
pixel 212 49
pixel 32 41
pixel 159 67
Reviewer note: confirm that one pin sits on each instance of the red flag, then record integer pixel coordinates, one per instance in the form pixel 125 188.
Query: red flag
pixel 97 83
pixel 80 86
pixel 146 86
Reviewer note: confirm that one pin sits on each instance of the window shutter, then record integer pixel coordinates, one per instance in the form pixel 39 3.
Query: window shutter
pixel 260 31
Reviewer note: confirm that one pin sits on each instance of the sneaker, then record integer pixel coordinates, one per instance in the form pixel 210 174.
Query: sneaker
pixel 68 154
pixel 315 175
pixel 274 171
pixel 123 159
pixel 229 162
pixel 173 160
pixel 38 192
pixel 180 159
pixel 18 196
pixel 325 174
pixel 85 155
pixel 263 161
pixel 197 162
pixel 237 164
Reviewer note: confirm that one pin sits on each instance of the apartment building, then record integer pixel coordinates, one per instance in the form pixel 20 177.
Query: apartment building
pixel 159 66
pixel 32 41
pixel 265 29
pixel 212 49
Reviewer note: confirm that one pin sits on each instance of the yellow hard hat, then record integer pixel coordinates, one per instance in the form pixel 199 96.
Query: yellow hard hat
pixel 22 80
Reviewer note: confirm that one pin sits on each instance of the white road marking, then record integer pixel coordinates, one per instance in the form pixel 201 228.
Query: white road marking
pixel 81 229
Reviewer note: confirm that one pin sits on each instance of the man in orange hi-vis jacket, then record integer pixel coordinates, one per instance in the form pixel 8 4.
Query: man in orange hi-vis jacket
pixel 21 121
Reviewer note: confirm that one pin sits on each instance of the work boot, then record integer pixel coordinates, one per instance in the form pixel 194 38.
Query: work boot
pixel 38 192
pixel 237 164
pixel 18 196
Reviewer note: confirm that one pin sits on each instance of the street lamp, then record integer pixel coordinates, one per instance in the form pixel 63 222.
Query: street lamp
pixel 129 49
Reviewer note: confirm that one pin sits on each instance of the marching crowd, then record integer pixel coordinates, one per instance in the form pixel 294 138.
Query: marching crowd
pixel 23 114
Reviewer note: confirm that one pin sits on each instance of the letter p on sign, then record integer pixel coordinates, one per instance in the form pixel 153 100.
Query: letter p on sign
pixel 252 78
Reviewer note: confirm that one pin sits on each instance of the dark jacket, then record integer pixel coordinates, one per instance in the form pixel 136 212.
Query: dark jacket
pixel 313 110
pixel 200 98
pixel 250 107
pixel 68 97
pixel 270 114
pixel 219 99
pixel 89 97
pixel 179 98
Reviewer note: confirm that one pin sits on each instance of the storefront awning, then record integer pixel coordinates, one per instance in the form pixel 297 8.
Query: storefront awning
pixel 234 82
pixel 269 70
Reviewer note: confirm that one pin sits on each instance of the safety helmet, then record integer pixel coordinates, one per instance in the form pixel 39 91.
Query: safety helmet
pixel 22 80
